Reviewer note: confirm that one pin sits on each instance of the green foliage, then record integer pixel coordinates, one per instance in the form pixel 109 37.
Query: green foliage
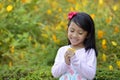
pixel 105 74
pixel 31 31
pixel 27 73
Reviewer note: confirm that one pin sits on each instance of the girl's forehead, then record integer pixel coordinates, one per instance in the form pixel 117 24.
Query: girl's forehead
pixel 74 26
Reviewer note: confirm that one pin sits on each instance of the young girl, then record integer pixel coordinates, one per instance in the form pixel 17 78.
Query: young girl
pixel 77 61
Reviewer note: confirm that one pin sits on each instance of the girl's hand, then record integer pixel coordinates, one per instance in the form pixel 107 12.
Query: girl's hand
pixel 69 53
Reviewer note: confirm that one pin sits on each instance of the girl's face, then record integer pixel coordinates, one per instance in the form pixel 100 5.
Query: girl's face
pixel 76 35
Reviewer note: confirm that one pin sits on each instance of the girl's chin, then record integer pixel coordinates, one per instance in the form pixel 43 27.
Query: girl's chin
pixel 74 44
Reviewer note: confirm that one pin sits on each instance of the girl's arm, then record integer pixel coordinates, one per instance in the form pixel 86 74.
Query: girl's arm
pixel 59 67
pixel 85 66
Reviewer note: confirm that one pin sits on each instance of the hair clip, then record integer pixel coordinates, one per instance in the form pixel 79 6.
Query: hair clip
pixel 71 14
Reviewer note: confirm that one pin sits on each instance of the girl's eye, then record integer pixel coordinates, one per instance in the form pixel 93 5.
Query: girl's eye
pixel 71 30
pixel 80 33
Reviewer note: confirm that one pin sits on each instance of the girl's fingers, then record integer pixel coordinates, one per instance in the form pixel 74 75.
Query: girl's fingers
pixel 67 59
pixel 69 53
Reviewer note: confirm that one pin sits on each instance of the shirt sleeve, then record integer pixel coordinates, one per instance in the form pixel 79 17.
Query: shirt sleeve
pixel 59 67
pixel 86 66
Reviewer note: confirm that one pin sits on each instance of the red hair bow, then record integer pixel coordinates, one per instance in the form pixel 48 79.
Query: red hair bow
pixel 71 14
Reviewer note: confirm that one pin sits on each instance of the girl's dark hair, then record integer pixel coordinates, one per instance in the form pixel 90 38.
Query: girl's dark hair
pixel 84 21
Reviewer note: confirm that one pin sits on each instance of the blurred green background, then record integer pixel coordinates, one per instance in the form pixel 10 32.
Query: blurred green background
pixel 31 31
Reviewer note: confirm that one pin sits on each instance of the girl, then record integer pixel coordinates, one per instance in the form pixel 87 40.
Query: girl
pixel 77 60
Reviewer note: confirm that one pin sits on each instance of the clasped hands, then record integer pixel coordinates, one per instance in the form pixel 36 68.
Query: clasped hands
pixel 69 53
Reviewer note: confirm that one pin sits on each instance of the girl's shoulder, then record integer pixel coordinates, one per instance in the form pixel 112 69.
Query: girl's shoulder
pixel 88 52
pixel 91 52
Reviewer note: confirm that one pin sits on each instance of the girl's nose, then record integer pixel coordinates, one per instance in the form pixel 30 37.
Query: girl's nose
pixel 75 34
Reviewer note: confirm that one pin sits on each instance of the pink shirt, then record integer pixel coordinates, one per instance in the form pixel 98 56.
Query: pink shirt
pixel 83 63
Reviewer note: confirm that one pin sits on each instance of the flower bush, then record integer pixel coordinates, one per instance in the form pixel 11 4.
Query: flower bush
pixel 31 31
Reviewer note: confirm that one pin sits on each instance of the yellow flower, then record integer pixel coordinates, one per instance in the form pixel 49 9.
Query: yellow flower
pixel 12 49
pixel 60 9
pixel 43 46
pixel 9 8
pixel 21 56
pixel 71 1
pixel 110 67
pixel 115 7
pixel 104 44
pixel 100 2
pixel 44 35
pixel 92 15
pixel 10 64
pixel 114 43
pixel 72 9
pixel 100 34
pixel 36 8
pixel 104 57
pixel 77 7
pixel 62 23
pixel 55 39
pixel 118 64
pixel 85 2
pixel 54 4
pixel 108 20
pixel 71 49
pixel 25 1
pixel 49 12
pixel 58 27
pixel 1 5
pixel 116 29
